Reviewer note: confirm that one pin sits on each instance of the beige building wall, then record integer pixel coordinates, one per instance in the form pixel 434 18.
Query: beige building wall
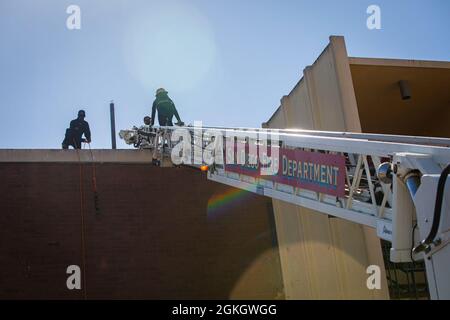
pixel 381 107
pixel 324 257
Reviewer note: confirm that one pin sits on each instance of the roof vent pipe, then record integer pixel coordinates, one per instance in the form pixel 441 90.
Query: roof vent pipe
pixel 113 125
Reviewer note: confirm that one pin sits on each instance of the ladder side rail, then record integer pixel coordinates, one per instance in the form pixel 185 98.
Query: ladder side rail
pixel 348 145
pixel 437 141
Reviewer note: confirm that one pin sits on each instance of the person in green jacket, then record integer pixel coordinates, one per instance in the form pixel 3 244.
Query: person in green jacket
pixel 166 109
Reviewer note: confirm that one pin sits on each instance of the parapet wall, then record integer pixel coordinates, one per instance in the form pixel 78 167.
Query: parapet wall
pixel 158 233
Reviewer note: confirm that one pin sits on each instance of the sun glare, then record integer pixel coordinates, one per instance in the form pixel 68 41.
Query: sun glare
pixel 171 46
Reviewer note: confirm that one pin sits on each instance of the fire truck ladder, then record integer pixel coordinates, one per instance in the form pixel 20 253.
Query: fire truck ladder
pixel 391 183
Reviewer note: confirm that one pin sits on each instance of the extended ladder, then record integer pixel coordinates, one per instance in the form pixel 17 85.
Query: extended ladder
pixel 387 182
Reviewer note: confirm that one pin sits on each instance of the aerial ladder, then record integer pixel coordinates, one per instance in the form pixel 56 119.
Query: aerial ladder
pixel 394 184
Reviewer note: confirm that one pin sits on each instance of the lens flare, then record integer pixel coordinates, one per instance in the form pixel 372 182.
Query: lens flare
pixel 170 45
pixel 220 202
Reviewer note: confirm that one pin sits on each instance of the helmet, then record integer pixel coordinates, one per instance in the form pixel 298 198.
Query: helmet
pixel 161 90
pixel 147 120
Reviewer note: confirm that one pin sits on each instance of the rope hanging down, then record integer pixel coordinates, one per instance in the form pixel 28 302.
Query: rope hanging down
pixel 83 242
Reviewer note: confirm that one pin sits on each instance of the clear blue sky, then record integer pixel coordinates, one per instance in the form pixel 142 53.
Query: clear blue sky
pixel 225 62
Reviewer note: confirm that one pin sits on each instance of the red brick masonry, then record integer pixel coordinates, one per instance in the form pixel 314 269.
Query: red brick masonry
pixel 151 239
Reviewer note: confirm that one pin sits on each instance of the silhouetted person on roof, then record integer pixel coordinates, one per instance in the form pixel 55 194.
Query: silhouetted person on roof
pixel 74 134
pixel 166 109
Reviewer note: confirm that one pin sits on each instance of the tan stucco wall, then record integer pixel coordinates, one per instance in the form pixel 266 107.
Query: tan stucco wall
pixel 323 257
pixel 381 108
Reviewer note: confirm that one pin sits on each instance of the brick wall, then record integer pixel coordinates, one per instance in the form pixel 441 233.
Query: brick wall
pixel 153 236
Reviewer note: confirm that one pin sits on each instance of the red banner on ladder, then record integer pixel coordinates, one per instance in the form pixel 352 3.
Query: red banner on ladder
pixel 315 171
